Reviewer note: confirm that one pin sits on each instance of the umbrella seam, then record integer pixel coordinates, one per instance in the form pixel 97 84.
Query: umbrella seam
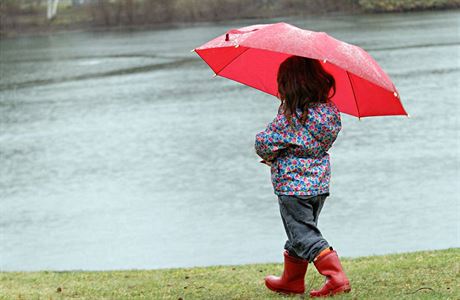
pixel 354 95
pixel 217 73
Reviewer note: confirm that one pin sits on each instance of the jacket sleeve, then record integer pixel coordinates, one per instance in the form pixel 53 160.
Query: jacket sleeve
pixel 270 142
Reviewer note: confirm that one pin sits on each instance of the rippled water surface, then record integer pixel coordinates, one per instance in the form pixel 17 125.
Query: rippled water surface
pixel 118 150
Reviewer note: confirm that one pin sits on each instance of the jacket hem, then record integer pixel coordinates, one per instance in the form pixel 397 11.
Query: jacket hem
pixel 302 193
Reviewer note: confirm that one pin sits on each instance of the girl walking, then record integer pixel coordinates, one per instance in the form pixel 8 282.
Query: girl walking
pixel 295 146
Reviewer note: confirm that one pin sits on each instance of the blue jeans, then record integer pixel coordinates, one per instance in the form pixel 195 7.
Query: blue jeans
pixel 300 219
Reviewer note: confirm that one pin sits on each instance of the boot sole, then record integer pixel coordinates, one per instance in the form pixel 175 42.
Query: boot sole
pixel 340 290
pixel 284 291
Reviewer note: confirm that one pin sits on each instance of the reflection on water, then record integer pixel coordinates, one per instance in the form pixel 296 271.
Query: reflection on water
pixel 119 151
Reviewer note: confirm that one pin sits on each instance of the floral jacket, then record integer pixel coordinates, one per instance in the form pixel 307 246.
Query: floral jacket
pixel 300 162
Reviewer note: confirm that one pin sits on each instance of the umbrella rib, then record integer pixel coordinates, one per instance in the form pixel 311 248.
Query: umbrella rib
pixel 354 95
pixel 217 73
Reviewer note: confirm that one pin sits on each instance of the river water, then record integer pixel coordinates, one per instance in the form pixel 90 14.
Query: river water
pixel 119 150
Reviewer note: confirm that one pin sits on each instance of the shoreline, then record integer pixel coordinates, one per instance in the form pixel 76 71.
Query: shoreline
pixel 431 274
pixel 52 29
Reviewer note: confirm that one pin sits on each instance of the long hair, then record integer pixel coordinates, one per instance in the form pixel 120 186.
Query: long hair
pixel 302 82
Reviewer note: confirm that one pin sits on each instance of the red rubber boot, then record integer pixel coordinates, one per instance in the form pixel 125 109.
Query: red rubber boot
pixel 336 280
pixel 292 279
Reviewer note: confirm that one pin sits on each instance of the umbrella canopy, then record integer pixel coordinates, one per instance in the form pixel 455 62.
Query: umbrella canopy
pixel 251 55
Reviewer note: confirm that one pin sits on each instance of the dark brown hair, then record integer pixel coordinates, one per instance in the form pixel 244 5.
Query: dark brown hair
pixel 302 82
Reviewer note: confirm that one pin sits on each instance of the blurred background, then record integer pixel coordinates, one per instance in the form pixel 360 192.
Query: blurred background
pixel 118 150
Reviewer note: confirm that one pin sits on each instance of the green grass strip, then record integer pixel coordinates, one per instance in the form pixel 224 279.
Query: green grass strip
pixel 416 275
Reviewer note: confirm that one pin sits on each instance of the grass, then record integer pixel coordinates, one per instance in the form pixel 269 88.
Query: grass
pixel 406 5
pixel 417 275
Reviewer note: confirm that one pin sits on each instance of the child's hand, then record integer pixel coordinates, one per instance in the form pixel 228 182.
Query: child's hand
pixel 268 163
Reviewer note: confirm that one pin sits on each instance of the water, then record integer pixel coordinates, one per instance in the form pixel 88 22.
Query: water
pixel 119 151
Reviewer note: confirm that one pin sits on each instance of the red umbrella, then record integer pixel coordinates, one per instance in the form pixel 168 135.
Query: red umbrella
pixel 251 55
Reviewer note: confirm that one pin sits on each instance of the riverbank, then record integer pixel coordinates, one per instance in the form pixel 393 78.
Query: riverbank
pixel 19 20
pixel 417 275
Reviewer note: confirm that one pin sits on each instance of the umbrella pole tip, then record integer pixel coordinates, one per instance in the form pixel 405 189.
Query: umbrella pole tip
pixel 193 50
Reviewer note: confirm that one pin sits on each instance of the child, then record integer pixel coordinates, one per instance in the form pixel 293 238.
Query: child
pixel 295 146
